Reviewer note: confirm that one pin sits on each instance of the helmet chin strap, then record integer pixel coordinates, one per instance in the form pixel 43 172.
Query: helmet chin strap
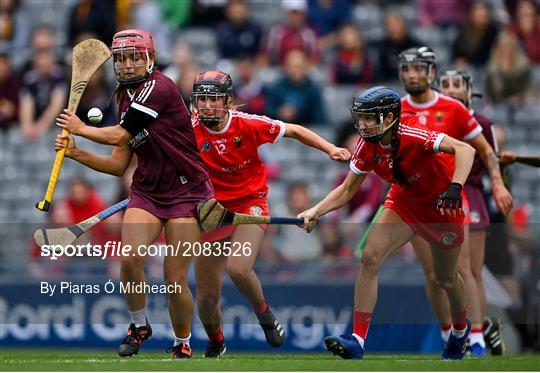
pixel 213 122
pixel 418 89
pixel 376 138
pixel 149 67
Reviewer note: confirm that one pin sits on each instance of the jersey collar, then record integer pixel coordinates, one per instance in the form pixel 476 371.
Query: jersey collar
pixel 423 105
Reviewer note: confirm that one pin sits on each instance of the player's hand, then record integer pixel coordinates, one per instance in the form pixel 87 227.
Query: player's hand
pixel 506 158
pixel 339 154
pixel 310 219
pixel 502 197
pixel 450 202
pixel 69 121
pixel 67 142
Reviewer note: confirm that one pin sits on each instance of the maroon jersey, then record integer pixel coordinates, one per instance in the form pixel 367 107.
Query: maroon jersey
pixel 478 169
pixel 169 165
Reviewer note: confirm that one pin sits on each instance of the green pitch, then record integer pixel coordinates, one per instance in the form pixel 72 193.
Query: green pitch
pixel 73 360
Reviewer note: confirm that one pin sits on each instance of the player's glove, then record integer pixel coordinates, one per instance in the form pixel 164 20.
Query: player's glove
pixel 451 197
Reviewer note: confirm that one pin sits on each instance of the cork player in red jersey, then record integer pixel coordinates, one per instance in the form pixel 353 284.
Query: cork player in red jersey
pixel 438 112
pixel 169 181
pixel 425 200
pixel 228 141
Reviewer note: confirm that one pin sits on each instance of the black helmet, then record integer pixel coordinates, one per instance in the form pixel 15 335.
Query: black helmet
pixel 418 55
pixel 211 83
pixel 373 105
pixel 454 72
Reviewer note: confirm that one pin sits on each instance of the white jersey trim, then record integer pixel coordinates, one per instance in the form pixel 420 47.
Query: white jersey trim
pixel 144 109
pixel 423 105
pixel 356 170
pixel 474 132
pixel 282 128
pixel 145 92
pixel 438 141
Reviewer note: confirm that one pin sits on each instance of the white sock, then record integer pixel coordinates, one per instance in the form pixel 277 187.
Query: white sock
pixel 185 341
pixel 139 317
pixel 359 339
pixel 445 334
pixel 458 333
pixel 477 337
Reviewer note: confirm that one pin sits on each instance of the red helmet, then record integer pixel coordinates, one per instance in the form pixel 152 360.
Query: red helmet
pixel 129 41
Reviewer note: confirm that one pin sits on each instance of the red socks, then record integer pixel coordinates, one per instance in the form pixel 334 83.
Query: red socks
pixel 445 327
pixel 361 321
pixel 217 338
pixel 459 320
pixel 260 307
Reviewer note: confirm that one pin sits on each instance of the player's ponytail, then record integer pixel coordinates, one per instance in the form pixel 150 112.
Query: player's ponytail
pixel 394 142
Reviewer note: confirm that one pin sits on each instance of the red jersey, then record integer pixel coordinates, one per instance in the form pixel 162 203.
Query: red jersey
pixel 427 173
pixel 232 158
pixel 444 114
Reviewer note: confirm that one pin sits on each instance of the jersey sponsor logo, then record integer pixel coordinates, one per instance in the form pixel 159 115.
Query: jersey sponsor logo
pixel 255 210
pixel 205 146
pixel 414 177
pixel 448 238
pixel 238 167
pixel 273 128
pixel 139 139
pixel 422 120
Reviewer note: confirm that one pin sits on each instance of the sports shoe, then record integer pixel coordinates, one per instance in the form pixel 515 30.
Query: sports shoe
pixel 215 349
pixel 477 350
pixel 136 335
pixel 456 347
pixel 273 331
pixel 493 335
pixel 345 346
pixel 181 351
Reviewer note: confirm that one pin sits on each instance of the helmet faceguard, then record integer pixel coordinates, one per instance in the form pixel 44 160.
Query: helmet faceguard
pixel 418 59
pixel 135 47
pixel 454 80
pixel 208 89
pixel 370 108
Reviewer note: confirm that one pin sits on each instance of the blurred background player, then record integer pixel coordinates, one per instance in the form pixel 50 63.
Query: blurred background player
pixel 424 200
pixel 228 141
pixel 457 83
pixel 169 181
pixel 437 112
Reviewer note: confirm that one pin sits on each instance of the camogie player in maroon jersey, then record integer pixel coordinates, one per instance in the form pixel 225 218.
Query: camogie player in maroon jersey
pixel 437 112
pixel 228 141
pixel 169 181
pixel 425 200
pixel 457 83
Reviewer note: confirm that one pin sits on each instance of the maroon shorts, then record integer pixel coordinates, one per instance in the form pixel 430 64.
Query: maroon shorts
pixel 478 209
pixel 443 231
pixel 185 207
